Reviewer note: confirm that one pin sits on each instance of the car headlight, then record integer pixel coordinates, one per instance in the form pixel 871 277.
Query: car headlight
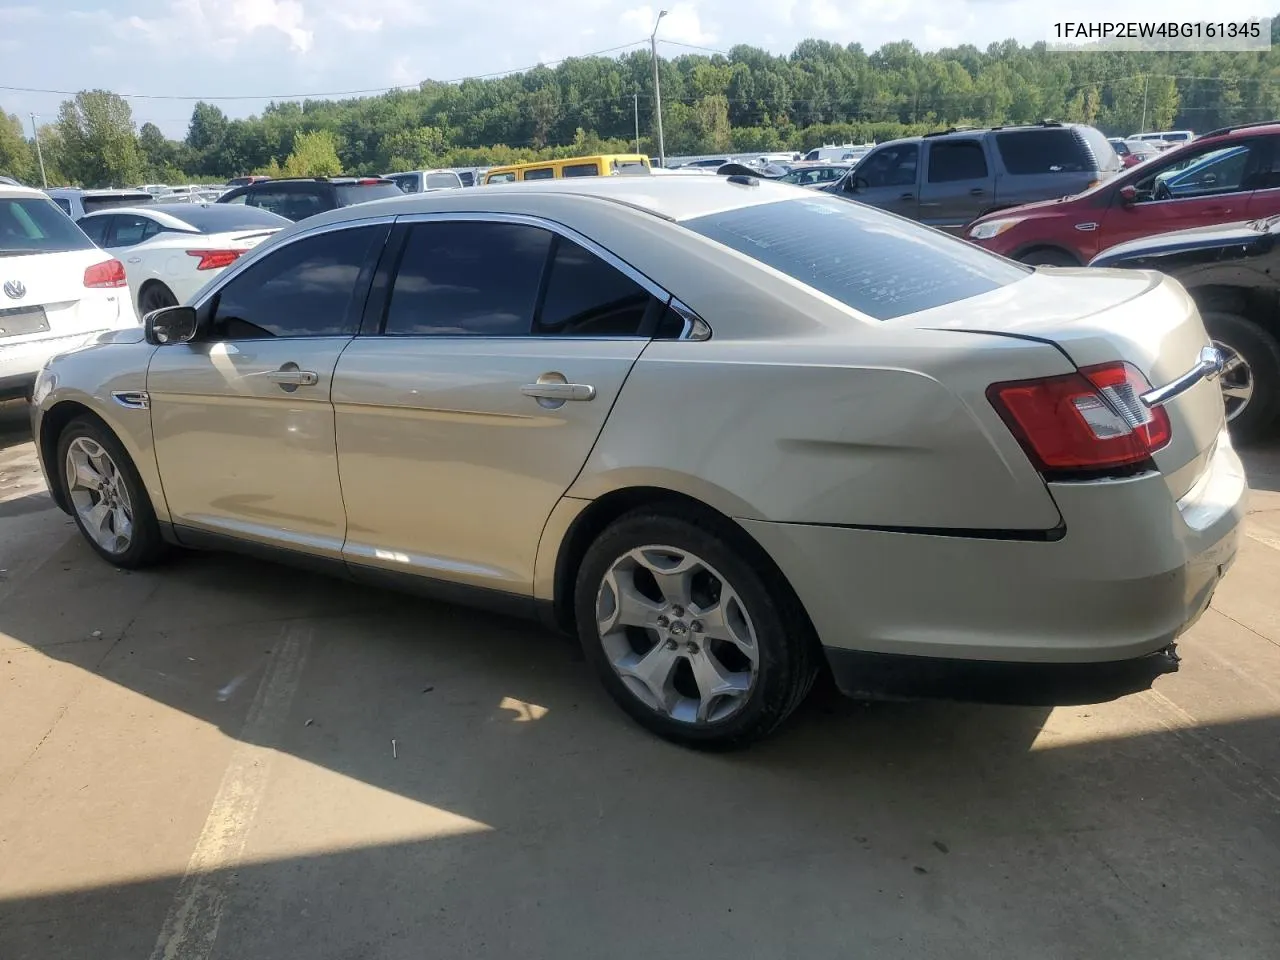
pixel 993 228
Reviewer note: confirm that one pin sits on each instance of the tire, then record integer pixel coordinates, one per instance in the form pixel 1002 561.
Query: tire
pixel 1259 373
pixel 1049 258
pixel 767 671
pixel 154 296
pixel 90 443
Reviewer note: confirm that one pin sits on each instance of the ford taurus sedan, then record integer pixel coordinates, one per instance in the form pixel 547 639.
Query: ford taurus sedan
pixel 728 432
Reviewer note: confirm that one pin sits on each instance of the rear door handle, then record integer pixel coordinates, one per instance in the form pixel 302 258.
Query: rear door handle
pixel 907 196
pixel 559 391
pixel 976 192
pixel 294 378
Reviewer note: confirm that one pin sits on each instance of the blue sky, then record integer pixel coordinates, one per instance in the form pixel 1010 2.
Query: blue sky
pixel 252 48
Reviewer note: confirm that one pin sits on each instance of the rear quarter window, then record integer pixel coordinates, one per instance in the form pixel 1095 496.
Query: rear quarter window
pixel 878 264
pixel 1044 151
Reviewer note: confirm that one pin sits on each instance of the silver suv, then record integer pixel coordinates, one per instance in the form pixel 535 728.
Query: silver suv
pixel 951 178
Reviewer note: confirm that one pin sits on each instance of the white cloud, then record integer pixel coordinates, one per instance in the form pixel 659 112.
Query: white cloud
pixel 358 22
pixel 224 23
pixel 682 23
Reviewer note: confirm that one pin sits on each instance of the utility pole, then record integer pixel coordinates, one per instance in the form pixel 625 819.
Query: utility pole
pixel 39 154
pixel 657 90
pixel 636 98
pixel 1143 128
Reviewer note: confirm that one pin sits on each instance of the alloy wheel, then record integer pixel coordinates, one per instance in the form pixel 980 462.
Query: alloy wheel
pixel 677 634
pixel 99 495
pixel 1235 381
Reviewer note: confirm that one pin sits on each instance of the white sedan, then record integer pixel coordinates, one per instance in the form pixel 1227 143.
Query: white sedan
pixel 170 253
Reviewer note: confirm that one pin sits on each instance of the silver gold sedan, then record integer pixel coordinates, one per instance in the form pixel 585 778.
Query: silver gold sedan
pixel 729 433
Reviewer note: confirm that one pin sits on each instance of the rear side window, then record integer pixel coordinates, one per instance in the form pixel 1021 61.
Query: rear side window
pixel 63 204
pixel 542 173
pixel 349 193
pixel 131 229
pixel 1043 151
pixel 587 297
pixel 875 263
pixel 35 225
pixel 303 289
pixel 95 228
pixel 468 278
pixel 1106 156
pixel 956 160
pixel 580 170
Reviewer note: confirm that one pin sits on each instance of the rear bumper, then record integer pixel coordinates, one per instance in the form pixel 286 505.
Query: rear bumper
pixel 1133 570
pixel 18 360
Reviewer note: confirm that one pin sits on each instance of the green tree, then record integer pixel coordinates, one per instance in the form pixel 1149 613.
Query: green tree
pixel 314 155
pixel 17 158
pixel 97 140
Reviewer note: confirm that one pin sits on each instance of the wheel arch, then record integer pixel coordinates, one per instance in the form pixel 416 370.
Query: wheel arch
pixel 1026 251
pixel 1255 304
pixel 596 515
pixel 149 284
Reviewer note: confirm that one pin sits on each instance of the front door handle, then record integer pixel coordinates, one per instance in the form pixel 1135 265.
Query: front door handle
pixel 134 260
pixel 290 376
pixel 976 192
pixel 907 196
pixel 561 392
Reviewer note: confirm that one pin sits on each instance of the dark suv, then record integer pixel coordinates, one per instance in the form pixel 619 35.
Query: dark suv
pixel 950 178
pixel 299 199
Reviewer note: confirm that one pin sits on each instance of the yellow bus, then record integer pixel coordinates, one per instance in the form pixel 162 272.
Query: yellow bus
pixel 599 166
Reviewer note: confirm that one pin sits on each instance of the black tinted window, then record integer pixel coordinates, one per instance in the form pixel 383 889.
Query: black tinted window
pixel 35 225
pixel 290 204
pixel 543 173
pixel 890 167
pixel 349 193
pixel 468 278
pixel 304 289
pixel 95 228
pixel 221 217
pixel 587 297
pixel 131 228
pixel 876 263
pixel 1043 151
pixel 63 204
pixel 580 170
pixel 956 160
pixel 109 200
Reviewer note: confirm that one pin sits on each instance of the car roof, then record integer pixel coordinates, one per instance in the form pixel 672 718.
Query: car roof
pixel 671 198
pixel 17 190
pixel 100 192
pixel 339 181
pixel 965 134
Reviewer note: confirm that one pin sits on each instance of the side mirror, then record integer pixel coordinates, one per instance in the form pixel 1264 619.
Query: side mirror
pixel 1128 195
pixel 170 325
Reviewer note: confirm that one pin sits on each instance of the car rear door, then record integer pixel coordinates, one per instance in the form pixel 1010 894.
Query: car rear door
pixel 242 419
pixel 1222 195
pixel 1264 200
pixel 958 183
pixel 502 347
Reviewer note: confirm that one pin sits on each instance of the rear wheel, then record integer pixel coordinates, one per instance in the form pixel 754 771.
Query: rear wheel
pixel 689 638
pixel 1049 258
pixel 1250 379
pixel 106 495
pixel 154 296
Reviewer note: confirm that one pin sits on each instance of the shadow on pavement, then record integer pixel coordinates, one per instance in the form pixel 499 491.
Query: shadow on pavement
pixel 15 423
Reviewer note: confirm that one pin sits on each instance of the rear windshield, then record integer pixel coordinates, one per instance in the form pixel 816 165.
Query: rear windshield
pixel 881 265
pixel 445 181
pixel 1044 151
pixel 103 201
pixel 36 225
pixel 349 193
pixel 223 217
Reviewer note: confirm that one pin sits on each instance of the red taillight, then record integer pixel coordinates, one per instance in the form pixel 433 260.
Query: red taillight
pixel 1092 421
pixel 215 259
pixel 107 274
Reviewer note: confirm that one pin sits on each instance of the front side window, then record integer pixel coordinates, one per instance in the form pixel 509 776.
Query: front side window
pixel 587 297
pixel 951 160
pixel 889 167
pixel 871 261
pixel 303 289
pixel 508 177
pixel 407 182
pixel 1222 169
pixel 468 278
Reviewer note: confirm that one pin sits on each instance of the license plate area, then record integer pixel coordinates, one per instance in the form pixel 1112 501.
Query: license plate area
pixel 17 321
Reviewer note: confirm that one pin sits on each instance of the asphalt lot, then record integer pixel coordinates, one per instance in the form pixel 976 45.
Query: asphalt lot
pixel 198 762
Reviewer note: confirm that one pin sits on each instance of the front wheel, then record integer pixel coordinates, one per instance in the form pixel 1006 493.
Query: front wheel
pixel 692 640
pixel 106 496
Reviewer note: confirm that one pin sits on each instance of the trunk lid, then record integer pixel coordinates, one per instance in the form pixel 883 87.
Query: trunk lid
pixel 1100 316
pixel 54 283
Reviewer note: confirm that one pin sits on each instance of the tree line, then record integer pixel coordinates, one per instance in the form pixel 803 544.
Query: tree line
pixel 745 99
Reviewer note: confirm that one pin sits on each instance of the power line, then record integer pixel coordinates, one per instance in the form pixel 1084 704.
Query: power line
pixel 333 93
pixel 694 46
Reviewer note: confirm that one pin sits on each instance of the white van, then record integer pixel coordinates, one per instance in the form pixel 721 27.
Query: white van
pixel 419 181
pixel 837 152
pixel 57 290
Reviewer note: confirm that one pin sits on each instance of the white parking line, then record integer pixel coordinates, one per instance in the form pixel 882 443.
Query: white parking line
pixel 191 926
pixel 1273 542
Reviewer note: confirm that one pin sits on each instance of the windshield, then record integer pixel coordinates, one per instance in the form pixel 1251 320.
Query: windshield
pixel 879 264
pixel 349 193
pixel 224 217
pixel 36 225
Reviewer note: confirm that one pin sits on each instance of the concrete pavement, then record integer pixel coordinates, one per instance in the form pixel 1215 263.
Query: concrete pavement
pixel 197 762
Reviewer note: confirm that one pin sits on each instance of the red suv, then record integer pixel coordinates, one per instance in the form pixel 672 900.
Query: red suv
pixel 1229 174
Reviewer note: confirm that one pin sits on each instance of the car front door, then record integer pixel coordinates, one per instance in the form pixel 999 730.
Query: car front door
pixel 1215 187
pixel 242 418
pixel 462 423
pixel 958 183
pixel 886 178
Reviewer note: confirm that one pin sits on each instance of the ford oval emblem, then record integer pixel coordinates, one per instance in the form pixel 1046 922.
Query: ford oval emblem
pixel 15 290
